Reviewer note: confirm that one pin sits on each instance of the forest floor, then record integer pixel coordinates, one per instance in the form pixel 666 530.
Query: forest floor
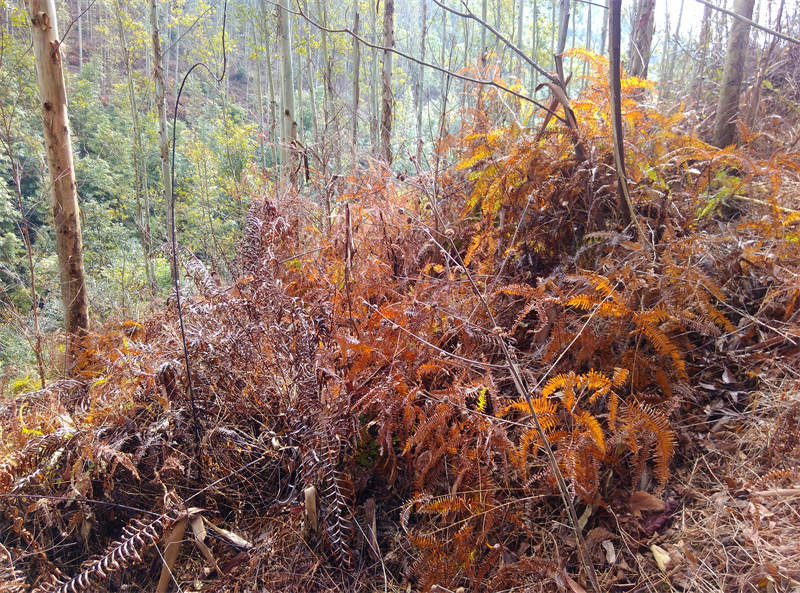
pixel 732 518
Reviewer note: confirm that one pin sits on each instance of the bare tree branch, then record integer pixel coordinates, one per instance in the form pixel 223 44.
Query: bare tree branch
pixel 470 15
pixel 750 22
pixel 491 83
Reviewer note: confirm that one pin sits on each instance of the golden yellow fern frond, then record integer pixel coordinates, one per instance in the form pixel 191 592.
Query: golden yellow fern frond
pixel 620 376
pixel 643 421
pixel 583 301
pixel 557 382
pixel 593 428
pixel 595 381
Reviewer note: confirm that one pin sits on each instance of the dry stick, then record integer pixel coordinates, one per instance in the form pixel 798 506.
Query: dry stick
pixel 492 83
pixel 750 22
pixel 616 106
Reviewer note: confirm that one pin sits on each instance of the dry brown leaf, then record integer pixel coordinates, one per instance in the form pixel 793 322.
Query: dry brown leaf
pixel 644 501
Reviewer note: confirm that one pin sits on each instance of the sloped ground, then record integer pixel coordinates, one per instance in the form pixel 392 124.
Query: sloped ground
pixel 356 417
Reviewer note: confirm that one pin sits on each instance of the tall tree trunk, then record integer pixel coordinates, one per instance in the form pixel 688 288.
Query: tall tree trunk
pixel 484 18
pixel 356 92
pixel 327 80
pixel 175 82
pixel 728 106
pixel 563 29
pixel 603 33
pixel 373 77
pixel 66 215
pixel 763 64
pixel 588 44
pixel 288 126
pixel 80 37
pixel 262 150
pixel 535 46
pixel 642 37
pixel 386 96
pixel 418 87
pixel 520 43
pixel 273 118
pixel 671 58
pixel 140 174
pixel 163 135
pixel 705 34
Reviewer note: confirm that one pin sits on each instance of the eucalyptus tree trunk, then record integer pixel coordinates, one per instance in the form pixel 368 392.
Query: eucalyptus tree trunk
pixel 642 37
pixel 674 53
pixel 520 44
pixel 58 147
pixel 262 150
pixel 163 135
pixel 728 106
pixel 418 87
pixel 298 115
pixel 705 34
pixel 140 177
pixel 356 89
pixel 373 84
pixel 327 79
pixel 288 126
pixel 386 96
pixel 312 96
pixel 763 64
pixel 535 46
pixel 175 81
pixel 273 118
pixel 603 33
pixel 588 43
pixel 80 36
pixel 563 29
pixel 484 18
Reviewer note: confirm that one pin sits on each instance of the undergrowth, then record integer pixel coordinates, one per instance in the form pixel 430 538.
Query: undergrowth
pixel 352 367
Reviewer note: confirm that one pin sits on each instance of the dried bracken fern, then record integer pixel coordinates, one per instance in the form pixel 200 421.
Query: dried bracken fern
pixel 127 550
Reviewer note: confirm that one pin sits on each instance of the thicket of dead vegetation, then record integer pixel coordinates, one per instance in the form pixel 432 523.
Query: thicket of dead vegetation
pixel 355 420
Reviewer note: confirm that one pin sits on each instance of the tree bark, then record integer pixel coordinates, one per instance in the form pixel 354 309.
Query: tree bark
pixel 485 19
pixel 80 37
pixel 66 214
pixel 563 29
pixel 728 106
pixel 520 43
pixel 327 79
pixel 273 118
pixel 288 126
pixel 535 46
pixel 373 86
pixel 418 87
pixel 386 96
pixel 356 90
pixel 705 33
pixel 642 38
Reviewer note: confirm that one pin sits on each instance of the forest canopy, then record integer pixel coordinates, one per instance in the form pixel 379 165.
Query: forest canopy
pixel 417 295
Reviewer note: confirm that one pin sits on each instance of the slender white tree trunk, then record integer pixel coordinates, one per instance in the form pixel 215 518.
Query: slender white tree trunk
pixel 386 96
pixel 288 126
pixel 163 135
pixel 728 106
pixel 66 215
